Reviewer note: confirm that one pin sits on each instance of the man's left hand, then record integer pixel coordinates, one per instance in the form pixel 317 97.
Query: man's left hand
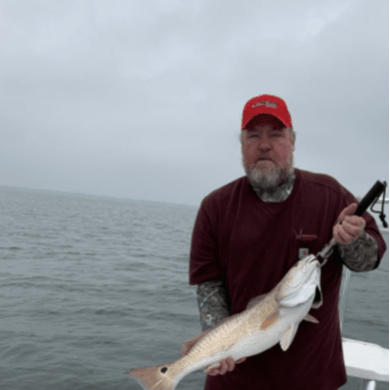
pixel 348 227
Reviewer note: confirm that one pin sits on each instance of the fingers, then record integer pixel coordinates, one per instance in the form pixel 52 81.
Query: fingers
pixel 354 227
pixel 341 235
pixel 346 232
pixel 230 364
pixel 355 221
pixel 347 215
pixel 225 365
pixel 349 210
pixel 349 227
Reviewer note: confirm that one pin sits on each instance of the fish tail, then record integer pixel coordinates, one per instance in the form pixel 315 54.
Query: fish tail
pixel 154 377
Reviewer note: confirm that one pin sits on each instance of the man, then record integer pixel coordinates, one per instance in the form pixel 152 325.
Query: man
pixel 250 232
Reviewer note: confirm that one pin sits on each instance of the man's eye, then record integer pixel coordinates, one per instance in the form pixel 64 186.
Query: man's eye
pixel 276 134
pixel 252 136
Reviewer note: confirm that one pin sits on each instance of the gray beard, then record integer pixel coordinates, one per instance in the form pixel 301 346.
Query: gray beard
pixel 275 185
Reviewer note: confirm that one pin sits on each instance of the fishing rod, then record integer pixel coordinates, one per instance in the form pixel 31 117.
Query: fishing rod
pixel 371 197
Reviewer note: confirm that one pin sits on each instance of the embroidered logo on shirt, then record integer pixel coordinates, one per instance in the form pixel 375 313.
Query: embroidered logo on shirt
pixel 305 237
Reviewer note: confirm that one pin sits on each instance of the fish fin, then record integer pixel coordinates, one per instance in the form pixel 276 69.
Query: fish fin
pixel 255 300
pixel 288 337
pixel 154 377
pixel 311 319
pixel 270 319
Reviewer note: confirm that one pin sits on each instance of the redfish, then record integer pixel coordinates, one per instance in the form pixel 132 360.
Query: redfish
pixel 269 319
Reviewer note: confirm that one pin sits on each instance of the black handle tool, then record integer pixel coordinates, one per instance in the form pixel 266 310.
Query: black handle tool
pixel 371 196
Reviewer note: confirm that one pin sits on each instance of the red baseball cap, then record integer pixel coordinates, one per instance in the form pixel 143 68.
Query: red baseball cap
pixel 266 104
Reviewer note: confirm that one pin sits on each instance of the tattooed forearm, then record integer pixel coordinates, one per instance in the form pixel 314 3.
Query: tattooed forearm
pixel 213 303
pixel 360 255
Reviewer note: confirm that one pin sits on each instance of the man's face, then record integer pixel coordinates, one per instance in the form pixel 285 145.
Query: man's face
pixel 267 151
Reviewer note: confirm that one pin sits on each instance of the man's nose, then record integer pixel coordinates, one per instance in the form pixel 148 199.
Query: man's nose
pixel 264 144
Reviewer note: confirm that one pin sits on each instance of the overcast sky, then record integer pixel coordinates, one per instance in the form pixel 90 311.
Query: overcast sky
pixel 142 99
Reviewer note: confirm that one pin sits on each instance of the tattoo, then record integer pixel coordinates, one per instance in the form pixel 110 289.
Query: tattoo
pixel 213 302
pixel 361 254
pixel 278 194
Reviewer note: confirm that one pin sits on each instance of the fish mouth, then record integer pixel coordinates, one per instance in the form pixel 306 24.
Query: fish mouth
pixel 312 261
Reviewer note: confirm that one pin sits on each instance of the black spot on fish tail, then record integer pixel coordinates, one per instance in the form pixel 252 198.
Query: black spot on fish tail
pixel 164 370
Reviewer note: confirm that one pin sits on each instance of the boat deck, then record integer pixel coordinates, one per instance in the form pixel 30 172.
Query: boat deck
pixel 366 360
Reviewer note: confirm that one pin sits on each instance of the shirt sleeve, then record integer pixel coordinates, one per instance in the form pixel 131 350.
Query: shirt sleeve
pixel 204 255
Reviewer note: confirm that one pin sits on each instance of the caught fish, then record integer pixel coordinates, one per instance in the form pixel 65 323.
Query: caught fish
pixel 268 319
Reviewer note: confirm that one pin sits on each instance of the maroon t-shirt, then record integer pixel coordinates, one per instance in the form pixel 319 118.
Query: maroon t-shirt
pixel 253 244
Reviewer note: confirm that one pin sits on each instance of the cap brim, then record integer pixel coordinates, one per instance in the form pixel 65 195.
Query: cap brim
pixel 264 111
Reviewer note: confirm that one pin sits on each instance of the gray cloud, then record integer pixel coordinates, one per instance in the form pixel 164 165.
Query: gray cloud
pixel 143 99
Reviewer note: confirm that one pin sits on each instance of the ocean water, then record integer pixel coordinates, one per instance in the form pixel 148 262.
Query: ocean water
pixel 91 287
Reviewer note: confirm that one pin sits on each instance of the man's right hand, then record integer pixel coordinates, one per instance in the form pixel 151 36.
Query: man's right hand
pixel 225 365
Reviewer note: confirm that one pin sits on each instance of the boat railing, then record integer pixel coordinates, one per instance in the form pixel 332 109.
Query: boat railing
pixel 367 361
